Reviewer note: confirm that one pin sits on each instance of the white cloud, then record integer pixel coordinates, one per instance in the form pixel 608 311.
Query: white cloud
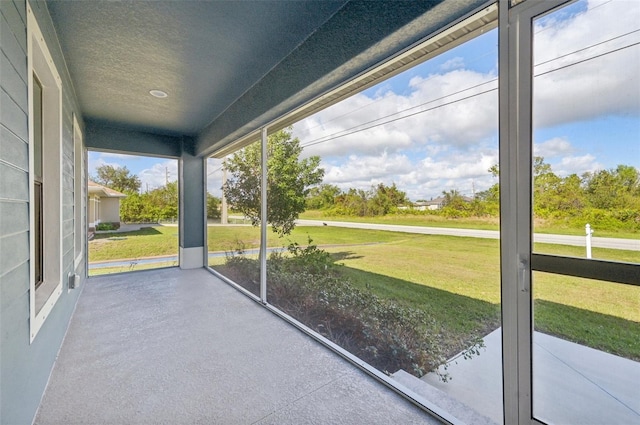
pixel 367 169
pixel 214 176
pixel 576 165
pixel 420 178
pixel 441 109
pixel 158 175
pixel 451 140
pixel 455 63
pixel 552 148
pixel 605 85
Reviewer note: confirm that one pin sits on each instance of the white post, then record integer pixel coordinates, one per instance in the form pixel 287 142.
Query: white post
pixel 263 221
pixel 589 233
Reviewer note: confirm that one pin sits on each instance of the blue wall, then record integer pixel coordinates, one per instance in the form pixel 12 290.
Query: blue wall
pixel 25 366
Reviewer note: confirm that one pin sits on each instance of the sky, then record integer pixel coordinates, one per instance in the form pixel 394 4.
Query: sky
pixel 434 127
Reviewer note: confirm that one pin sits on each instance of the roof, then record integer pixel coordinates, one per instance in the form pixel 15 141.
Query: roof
pixel 103 191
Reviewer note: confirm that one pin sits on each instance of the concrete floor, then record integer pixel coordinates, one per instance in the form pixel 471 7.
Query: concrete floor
pixel 572 384
pixel 177 346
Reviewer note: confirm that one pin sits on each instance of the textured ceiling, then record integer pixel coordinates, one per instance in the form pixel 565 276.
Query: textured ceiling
pixel 228 67
pixel 204 54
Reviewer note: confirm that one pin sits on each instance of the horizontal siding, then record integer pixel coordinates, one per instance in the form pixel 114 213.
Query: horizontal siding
pixel 13 83
pixel 25 366
pixel 15 151
pixel 18 245
pixel 14 21
pixel 14 284
pixel 21 6
pixel 15 219
pixel 13 117
pixel 14 47
pixel 14 183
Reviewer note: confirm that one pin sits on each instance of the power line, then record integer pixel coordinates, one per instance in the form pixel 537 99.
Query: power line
pixel 332 136
pixel 215 171
pixel 589 47
pixel 356 129
pixel 317 142
pixel 380 99
pixel 588 59
pixel 477 58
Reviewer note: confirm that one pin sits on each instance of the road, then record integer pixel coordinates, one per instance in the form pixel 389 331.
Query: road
pixel 596 242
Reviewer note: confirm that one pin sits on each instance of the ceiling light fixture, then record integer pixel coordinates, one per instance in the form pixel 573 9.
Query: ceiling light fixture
pixel 158 93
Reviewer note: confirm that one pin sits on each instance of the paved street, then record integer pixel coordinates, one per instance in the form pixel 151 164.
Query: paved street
pixel 596 242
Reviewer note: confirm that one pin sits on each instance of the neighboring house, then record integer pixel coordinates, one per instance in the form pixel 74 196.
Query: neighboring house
pixel 104 205
pixel 435 204
pixel 432 204
pixel 187 80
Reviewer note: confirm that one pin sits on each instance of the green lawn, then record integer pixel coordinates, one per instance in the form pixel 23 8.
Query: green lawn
pixel 459 278
pixel 146 242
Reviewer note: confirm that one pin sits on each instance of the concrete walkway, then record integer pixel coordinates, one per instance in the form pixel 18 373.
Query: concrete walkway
pixel 573 384
pixel 178 346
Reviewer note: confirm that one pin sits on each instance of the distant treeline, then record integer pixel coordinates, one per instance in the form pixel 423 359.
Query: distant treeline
pixel 608 199
pixel 157 205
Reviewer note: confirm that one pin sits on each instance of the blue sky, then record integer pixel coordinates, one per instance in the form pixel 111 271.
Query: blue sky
pixel 152 171
pixel 586 111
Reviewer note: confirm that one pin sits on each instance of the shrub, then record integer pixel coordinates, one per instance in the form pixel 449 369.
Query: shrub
pixel 107 226
pixel 307 284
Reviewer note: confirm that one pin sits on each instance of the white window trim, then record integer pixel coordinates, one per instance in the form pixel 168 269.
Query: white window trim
pixel 79 203
pixel 40 62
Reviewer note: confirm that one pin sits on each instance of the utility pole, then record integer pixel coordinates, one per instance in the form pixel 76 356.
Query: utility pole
pixel 166 176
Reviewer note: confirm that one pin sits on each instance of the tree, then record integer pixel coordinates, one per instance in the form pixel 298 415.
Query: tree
pixel 159 204
pixel 117 178
pixel 288 181
pixel 213 206
pixel 385 199
pixel 323 196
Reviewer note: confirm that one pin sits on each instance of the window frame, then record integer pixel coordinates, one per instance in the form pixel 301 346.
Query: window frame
pixel 79 198
pixel 41 66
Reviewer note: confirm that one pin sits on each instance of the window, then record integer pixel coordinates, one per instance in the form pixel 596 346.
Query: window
pixel 381 295
pixel 585 168
pixel 37 179
pixel 45 152
pixel 78 194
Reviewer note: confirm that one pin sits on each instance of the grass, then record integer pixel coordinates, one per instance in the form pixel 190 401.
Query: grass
pixel 459 278
pixel 146 242
pixel 575 324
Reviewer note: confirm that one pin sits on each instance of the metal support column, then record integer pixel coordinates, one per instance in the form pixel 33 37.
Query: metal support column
pixel 263 219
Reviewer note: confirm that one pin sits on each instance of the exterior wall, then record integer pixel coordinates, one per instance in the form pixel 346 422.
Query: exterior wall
pixel 109 210
pixel 25 366
pixel 94 208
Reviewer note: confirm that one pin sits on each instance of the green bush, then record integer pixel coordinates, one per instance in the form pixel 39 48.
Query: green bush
pixel 307 284
pixel 107 226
